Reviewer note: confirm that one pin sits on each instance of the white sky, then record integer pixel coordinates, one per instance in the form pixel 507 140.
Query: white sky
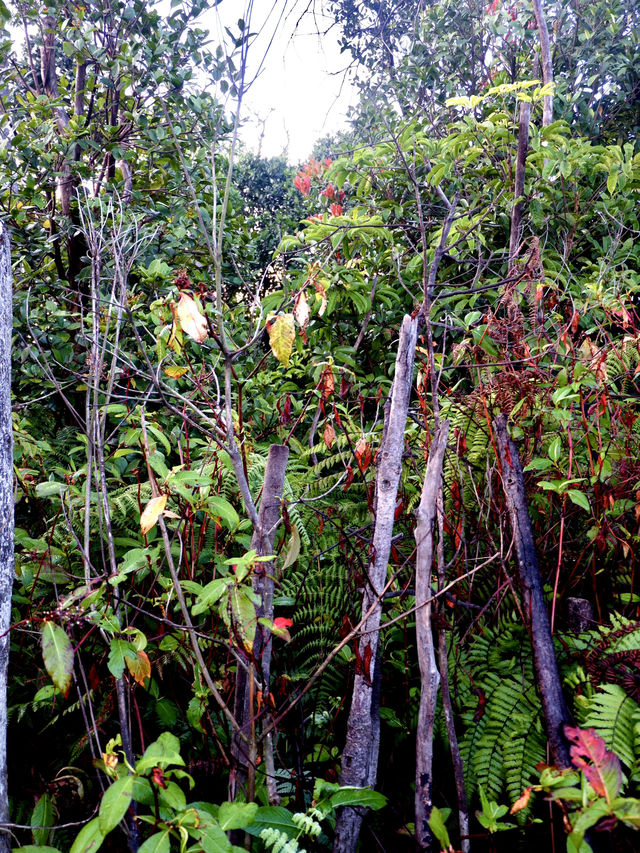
pixel 301 91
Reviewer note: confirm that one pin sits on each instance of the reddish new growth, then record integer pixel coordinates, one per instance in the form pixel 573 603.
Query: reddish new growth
pixel 313 169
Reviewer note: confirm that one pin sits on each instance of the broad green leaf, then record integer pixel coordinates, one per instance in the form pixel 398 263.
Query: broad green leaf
pixel 158 843
pixel 438 828
pixel 579 498
pixel 57 653
pixel 36 848
pixel 236 815
pixel 282 333
pixel 114 804
pixel 89 839
pixel 243 613
pixel 364 797
pixel 212 838
pixel 42 815
pixel 277 817
pixel 161 753
pixel 210 595
pixel 221 508
pixel 118 651
pixel 173 797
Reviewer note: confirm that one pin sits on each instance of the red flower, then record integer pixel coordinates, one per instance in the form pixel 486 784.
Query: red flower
pixel 329 192
pixel 336 209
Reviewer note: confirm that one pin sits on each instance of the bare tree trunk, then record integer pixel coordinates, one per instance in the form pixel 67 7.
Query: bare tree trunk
pixel 6 512
pixel 547 62
pixel 360 755
pixel 447 705
pixel 521 159
pixel 262 540
pixel 556 714
pixel 429 675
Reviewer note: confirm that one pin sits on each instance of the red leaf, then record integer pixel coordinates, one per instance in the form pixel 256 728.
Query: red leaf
pixel 327 383
pixel 363 454
pixel 329 434
pixel 601 767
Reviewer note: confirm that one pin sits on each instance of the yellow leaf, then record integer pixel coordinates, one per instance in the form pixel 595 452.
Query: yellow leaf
pixel 175 372
pixel 282 332
pixel 139 667
pixel 152 513
pixel 191 319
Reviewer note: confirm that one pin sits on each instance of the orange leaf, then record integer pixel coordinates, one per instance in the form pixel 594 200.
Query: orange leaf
pixel 139 667
pixel 363 454
pixel 329 434
pixel 522 802
pixel 327 383
pixel 152 513
pixel 191 319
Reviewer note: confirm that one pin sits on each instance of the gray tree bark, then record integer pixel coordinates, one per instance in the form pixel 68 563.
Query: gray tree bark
pixel 244 740
pixel 6 512
pixel 556 714
pixel 360 755
pixel 547 60
pixel 429 675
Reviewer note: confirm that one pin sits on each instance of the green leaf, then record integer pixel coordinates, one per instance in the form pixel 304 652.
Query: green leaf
pixel 211 837
pixel 158 843
pixel 161 753
pixel 36 848
pixel 364 797
pixel 42 815
pixel 579 499
pixel 57 653
pixel 236 815
pixel 224 511
pixel 89 839
pixel 114 804
pixel 173 797
pixel 119 649
pixel 437 827
pixel 293 551
pixel 274 816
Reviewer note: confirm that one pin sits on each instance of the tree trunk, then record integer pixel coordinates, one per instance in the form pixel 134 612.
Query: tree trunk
pixel 429 675
pixel 547 62
pixel 6 512
pixel 521 159
pixel 556 714
pixel 360 755
pixel 262 541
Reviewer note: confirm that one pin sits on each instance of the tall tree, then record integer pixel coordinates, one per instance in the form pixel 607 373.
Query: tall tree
pixel 6 511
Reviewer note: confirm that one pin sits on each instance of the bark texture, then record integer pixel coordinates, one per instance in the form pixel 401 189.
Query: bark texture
pixel 6 512
pixel 360 755
pixel 429 675
pixel 518 192
pixel 547 61
pixel 556 714
pixel 244 741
